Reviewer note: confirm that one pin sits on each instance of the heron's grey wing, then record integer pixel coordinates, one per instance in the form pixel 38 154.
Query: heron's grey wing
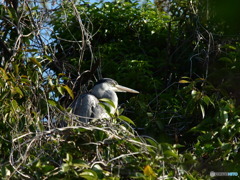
pixel 85 106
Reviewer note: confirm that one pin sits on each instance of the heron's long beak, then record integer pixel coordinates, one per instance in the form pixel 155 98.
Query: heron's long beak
pixel 120 88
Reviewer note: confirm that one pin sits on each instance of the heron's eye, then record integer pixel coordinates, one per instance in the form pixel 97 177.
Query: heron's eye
pixel 113 84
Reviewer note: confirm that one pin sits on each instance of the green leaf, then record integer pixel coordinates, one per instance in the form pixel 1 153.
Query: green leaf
pixel 35 77
pixel 39 164
pixel 124 118
pixel 170 153
pixel 65 167
pixel 43 105
pixel 14 104
pixel 10 13
pixel 148 171
pixel 194 93
pixel 226 146
pixel 50 82
pixel 25 80
pixel 60 90
pixel 106 107
pixel 225 115
pixel 4 74
pixel 16 68
pixel 183 81
pixel 178 146
pixel 48 58
pixel 35 61
pixel 225 60
pixel 5 172
pixel 69 158
pixel 3 95
pixel 202 110
pixel 80 163
pixel 2 83
pixel 98 169
pixel 70 92
pixel 35 8
pixel 120 111
pixel 152 142
pixel 31 50
pixel 207 100
pixel 61 74
pixel 89 175
pixel 19 91
pixel 185 77
pixel 40 126
pixel 232 47
pixel 109 101
pixel 46 168
pixel 52 102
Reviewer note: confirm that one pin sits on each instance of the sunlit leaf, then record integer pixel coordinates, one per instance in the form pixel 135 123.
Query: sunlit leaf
pixel 2 83
pixel 31 50
pixel 61 74
pixel 4 74
pixel 10 13
pixel 148 171
pixel 185 77
pixel 104 106
pixel 35 61
pixel 39 164
pixel 48 58
pixel 109 101
pixel 69 158
pixel 14 104
pixel 194 93
pixel 24 80
pixel 178 146
pixel 19 91
pixel 89 175
pixel 52 102
pixel 16 68
pixel 35 77
pixel 225 116
pixel 231 47
pixel 207 100
pixel 183 81
pixel 60 90
pixel 3 95
pixel 202 110
pixel 35 8
pixel 124 118
pixel 5 172
pixel 70 92
pixel 40 126
pixel 170 153
pixel 80 163
pixel 65 167
pixel 50 82
pixel 152 142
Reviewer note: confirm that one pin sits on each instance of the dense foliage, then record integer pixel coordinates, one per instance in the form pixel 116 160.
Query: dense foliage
pixel 183 56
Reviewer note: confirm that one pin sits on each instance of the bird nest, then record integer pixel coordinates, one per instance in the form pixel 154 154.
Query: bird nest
pixel 111 145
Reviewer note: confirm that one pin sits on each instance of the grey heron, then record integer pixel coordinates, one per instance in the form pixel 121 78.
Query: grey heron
pixel 87 105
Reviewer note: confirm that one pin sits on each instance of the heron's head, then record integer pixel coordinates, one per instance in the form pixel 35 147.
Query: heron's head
pixel 110 84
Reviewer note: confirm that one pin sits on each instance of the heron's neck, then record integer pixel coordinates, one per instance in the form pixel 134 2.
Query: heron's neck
pixel 112 96
pixel 109 95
